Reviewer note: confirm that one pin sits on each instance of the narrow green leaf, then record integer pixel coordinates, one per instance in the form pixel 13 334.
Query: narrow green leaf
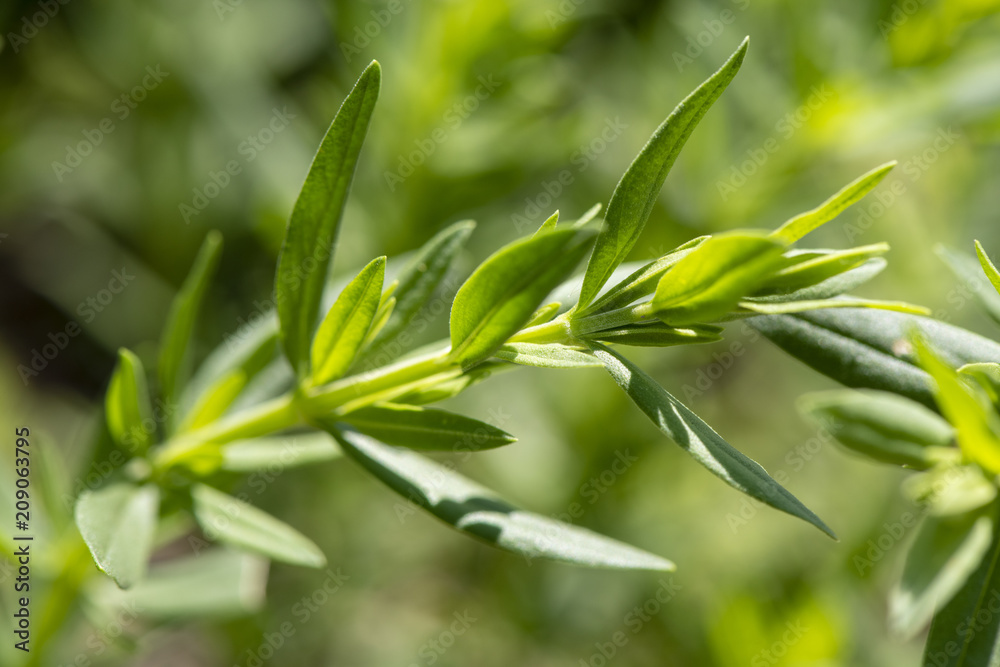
pixel 502 294
pixel 696 437
pixel 966 632
pixel 871 349
pixel 216 583
pixel 118 522
pixel 479 512
pixel 183 311
pixel 976 422
pixel 829 288
pixel 426 428
pixel 346 324
pixel 946 551
pixel 809 268
pixel 241 355
pixel 784 307
pixel 549 224
pixel 709 282
pixel 804 223
pixel 988 268
pixel 950 490
pixel 969 272
pixel 227 519
pixel 544 314
pixel 549 355
pixel 278 452
pixel 987 376
pixel 639 187
pixel 420 279
pixel 658 335
pixel 587 216
pixel 642 282
pixel 882 426
pixel 305 255
pixel 127 407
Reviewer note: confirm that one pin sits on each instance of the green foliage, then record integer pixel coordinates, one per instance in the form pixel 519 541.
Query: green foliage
pixel 346 325
pixel 247 409
pixel 312 228
pixel 234 522
pixel 479 512
pixel 126 405
pixel 950 573
pixel 638 189
pixel 117 522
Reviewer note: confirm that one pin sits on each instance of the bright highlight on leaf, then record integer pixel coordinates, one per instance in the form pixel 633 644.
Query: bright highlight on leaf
pixel 312 228
pixel 127 406
pixel 180 322
pixel 706 446
pixel 639 188
pixel 426 428
pixel 346 325
pixel 802 224
pixel 233 521
pixel 710 281
pixel 118 522
pixel 479 512
pixel 504 292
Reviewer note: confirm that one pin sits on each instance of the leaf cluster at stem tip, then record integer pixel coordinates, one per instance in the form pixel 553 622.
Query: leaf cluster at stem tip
pixel 333 362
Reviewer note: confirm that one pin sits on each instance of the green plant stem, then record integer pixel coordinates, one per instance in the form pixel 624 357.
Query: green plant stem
pixel 613 319
pixel 364 388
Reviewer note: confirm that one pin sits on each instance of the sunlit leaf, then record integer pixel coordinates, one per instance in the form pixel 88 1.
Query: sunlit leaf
pixel 503 293
pixel 946 551
pixel 312 228
pixel 551 355
pixel 966 631
pixel 479 512
pixel 426 428
pixel 708 282
pixel 976 422
pixel 639 187
pixel 420 279
pixel 118 522
pixel 227 519
pixel 345 326
pixel 127 407
pixel 658 334
pixel 698 439
pixel 804 223
pixel 882 426
pixel 174 348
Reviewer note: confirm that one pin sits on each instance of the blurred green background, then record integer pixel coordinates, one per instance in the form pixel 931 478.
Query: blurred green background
pixel 118 121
